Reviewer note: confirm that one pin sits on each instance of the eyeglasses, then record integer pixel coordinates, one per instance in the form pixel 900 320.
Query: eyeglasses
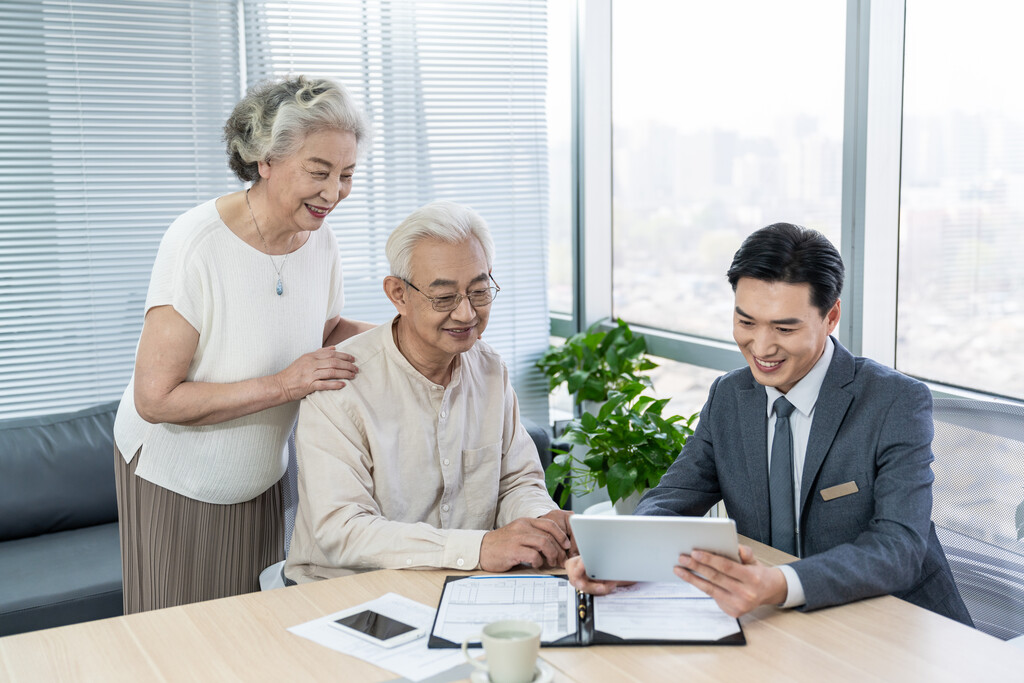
pixel 449 302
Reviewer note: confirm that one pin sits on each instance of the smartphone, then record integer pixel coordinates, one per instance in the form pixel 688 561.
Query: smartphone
pixel 377 628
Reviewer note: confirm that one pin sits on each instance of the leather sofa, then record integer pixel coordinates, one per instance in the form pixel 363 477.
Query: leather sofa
pixel 60 560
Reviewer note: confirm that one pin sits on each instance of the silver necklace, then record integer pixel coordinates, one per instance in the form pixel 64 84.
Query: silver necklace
pixel 280 281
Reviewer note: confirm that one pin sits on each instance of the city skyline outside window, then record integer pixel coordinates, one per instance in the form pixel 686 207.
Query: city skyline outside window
pixel 961 273
pixel 717 134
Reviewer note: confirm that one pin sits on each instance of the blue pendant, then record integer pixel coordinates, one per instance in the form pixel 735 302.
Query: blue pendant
pixel 280 288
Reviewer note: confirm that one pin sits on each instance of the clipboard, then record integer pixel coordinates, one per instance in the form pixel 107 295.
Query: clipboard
pixel 582 623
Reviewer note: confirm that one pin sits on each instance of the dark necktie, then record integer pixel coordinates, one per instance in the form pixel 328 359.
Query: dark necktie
pixel 780 481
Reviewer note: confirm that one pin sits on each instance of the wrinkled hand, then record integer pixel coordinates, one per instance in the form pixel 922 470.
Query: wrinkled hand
pixel 577 574
pixel 561 518
pixel 534 542
pixel 737 587
pixel 317 370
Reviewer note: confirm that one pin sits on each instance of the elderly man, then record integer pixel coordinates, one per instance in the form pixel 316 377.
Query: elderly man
pixel 422 461
pixel 816 452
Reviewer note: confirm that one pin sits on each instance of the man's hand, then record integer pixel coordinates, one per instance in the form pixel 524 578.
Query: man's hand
pixel 561 518
pixel 535 542
pixel 737 587
pixel 580 581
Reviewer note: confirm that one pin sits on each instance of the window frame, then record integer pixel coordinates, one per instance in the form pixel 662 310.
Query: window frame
pixel 870 201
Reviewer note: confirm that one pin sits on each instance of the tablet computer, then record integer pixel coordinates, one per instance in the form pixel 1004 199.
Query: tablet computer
pixel 646 548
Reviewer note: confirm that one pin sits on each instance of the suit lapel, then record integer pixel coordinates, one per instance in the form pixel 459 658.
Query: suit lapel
pixel 753 421
pixel 829 411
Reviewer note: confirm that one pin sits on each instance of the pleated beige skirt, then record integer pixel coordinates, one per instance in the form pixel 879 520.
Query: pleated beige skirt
pixel 177 550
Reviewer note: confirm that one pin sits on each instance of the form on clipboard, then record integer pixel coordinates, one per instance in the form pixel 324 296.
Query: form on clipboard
pixel 643 613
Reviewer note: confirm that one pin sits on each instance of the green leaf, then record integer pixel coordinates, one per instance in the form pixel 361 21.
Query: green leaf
pixel 594 389
pixel 611 338
pixel 621 481
pixel 574 435
pixel 611 357
pixel 615 399
pixel 592 342
pixel 642 403
pixel 588 422
pixel 564 458
pixel 658 406
pixel 635 348
pixel 554 475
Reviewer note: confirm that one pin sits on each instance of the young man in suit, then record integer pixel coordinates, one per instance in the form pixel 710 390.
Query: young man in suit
pixel 814 451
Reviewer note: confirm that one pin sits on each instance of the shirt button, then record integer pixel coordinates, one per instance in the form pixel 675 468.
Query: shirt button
pixel 409 562
pixel 444 414
pixel 460 562
pixel 447 462
pixel 445 507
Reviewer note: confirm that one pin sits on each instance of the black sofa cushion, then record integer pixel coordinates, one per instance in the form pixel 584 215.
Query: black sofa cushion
pixel 58 472
pixel 61 578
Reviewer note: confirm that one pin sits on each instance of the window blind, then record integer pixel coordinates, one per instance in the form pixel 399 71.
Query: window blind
pixel 456 93
pixel 110 128
pixel 110 120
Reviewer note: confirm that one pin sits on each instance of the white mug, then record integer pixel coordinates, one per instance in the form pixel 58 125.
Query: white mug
pixel 512 647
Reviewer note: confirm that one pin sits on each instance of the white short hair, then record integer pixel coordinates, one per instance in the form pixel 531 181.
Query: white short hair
pixel 441 220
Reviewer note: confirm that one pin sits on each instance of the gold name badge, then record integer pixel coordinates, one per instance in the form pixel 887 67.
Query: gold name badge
pixel 839 491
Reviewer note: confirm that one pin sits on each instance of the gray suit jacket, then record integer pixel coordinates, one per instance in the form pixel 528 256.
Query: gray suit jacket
pixel 872 426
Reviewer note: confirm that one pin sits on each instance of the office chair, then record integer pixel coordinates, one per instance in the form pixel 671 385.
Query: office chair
pixel 273 576
pixel 979 484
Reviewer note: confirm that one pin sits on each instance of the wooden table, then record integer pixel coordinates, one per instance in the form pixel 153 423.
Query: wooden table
pixel 244 639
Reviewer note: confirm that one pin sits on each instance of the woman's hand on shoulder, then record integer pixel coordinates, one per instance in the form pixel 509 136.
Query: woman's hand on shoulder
pixel 319 370
pixel 162 393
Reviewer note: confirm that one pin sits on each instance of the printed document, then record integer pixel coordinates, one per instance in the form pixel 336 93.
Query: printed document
pixel 471 603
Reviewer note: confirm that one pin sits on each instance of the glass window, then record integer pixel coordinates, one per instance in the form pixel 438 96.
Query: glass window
pixel 109 129
pixel 718 133
pixel 561 19
pixel 686 384
pixel 961 273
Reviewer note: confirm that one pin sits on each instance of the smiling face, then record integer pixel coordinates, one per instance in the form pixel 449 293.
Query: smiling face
pixel 306 186
pixel 780 332
pixel 431 339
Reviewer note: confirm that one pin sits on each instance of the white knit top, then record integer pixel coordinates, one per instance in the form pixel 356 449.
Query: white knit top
pixel 226 289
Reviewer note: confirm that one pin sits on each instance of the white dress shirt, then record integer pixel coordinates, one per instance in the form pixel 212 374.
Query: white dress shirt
pixel 803 396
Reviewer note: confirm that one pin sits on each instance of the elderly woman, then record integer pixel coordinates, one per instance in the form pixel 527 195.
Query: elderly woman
pixel 241 317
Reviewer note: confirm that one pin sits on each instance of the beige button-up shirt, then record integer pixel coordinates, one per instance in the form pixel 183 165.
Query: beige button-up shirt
pixel 396 471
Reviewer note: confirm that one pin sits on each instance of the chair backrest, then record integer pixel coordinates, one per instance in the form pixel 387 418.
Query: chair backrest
pixel 290 493
pixel 978 507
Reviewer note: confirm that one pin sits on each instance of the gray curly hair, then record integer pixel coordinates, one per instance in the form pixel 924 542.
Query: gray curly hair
pixel 274 117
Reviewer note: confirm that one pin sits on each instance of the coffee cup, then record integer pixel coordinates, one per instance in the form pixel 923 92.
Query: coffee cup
pixel 511 647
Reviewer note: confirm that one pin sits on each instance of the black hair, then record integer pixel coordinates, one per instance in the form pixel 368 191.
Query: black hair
pixel 783 252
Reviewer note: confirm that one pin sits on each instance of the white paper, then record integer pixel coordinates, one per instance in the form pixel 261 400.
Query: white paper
pixel 661 611
pixel 471 603
pixel 412 660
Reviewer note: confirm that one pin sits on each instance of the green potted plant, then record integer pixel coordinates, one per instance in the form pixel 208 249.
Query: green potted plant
pixel 596 362
pixel 625 444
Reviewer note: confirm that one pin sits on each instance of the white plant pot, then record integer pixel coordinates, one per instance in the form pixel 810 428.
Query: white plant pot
pixel 627 505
